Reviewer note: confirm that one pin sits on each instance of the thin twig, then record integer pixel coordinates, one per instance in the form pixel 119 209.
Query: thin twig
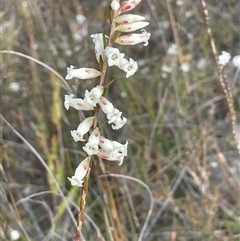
pixel 83 202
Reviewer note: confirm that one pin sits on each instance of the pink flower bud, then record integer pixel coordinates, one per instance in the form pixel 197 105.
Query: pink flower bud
pixel 128 18
pixel 129 27
pixel 92 146
pixel 106 144
pixel 106 106
pixel 82 73
pixel 82 129
pixel 80 173
pixel 134 38
pixel 115 5
pixel 112 150
pixel 129 5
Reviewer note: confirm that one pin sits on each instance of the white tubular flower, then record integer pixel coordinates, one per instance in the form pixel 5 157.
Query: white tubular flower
pixel 113 114
pixel 130 67
pixel 119 123
pixel 99 47
pixel 112 150
pixel 92 146
pixel 112 117
pixel 104 154
pixel 92 97
pixel 81 73
pixel 129 5
pixel 128 18
pixel 115 5
pixel 82 129
pixel 106 106
pixel 116 119
pixel 113 56
pixel 80 173
pixel 224 58
pixel 134 38
pixel 76 103
pixel 106 144
pixel 120 152
pixel 129 27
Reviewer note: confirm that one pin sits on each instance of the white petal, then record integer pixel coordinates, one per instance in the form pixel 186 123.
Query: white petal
pixel 112 117
pixel 129 5
pixel 82 129
pixel 134 38
pixel 130 27
pixel 75 182
pixel 80 173
pixel 106 144
pixel 106 106
pixel 92 146
pixel 128 18
pixel 113 56
pixel 124 62
pixel 119 123
pixel 81 73
pixel 130 67
pixel 116 154
pixel 77 136
pixel 76 103
pixel 94 137
pixel 99 47
pixel 91 149
pixel 115 5
pixel 92 97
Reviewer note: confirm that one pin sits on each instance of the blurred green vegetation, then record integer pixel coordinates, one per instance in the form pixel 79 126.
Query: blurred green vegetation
pixel 179 127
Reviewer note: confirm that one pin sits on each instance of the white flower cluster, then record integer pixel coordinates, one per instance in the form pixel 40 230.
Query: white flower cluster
pixel 91 99
pixel 114 57
pixel 125 23
pixel 106 55
pixel 96 144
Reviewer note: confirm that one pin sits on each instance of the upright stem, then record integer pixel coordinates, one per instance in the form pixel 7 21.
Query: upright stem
pixel 104 68
pixel 222 77
pixel 95 124
pixel 82 203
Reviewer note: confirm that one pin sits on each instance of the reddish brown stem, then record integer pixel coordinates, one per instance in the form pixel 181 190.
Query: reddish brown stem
pixel 86 179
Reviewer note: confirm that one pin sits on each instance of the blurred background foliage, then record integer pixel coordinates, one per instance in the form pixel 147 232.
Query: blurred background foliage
pixel 179 127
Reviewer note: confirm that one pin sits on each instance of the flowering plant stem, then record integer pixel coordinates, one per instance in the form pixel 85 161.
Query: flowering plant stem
pixel 106 55
pixel 86 179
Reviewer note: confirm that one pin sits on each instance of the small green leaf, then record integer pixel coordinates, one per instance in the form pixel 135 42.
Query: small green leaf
pixel 104 39
pixel 110 14
pixel 115 37
pixel 101 62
